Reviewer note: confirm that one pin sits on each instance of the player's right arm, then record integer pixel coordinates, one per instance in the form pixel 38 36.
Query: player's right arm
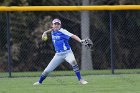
pixel 45 33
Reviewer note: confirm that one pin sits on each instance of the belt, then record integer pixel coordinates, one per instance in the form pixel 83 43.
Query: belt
pixel 62 50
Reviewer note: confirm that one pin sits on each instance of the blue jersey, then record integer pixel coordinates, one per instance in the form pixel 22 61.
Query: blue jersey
pixel 60 40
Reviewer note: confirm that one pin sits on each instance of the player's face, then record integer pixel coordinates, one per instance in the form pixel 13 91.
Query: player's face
pixel 56 26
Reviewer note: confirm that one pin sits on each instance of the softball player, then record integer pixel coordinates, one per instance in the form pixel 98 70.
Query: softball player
pixel 60 38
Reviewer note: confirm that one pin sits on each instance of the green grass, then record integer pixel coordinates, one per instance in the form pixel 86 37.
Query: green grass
pixel 123 83
pixel 71 73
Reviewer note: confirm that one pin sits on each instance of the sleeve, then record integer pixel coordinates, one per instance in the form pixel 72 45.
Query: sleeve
pixel 64 31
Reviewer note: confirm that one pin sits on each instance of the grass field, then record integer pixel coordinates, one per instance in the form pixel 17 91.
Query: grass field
pixel 123 83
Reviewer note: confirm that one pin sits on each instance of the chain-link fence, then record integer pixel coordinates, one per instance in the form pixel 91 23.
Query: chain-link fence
pixel 115 34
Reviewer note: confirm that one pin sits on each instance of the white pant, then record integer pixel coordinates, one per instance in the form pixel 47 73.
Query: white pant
pixel 58 59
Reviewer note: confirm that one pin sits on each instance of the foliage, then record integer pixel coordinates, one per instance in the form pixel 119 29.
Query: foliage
pixel 29 51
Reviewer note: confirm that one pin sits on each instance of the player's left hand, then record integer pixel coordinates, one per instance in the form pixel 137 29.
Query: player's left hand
pixel 87 43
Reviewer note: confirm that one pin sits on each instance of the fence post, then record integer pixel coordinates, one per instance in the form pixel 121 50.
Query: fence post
pixel 111 42
pixel 8 42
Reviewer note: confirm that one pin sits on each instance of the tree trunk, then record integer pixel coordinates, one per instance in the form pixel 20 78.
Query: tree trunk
pixel 86 54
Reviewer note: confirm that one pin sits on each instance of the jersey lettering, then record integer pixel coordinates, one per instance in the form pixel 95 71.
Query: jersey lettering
pixel 60 39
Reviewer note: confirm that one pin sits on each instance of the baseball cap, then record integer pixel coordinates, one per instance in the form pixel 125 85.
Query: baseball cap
pixel 56 20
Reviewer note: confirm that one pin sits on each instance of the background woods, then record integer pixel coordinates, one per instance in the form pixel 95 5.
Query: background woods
pixel 30 53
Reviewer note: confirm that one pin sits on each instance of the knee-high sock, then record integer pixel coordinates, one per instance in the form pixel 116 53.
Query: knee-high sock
pixel 42 77
pixel 77 72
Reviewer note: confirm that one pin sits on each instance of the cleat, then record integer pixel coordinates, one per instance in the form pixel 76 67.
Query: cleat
pixel 82 81
pixel 36 83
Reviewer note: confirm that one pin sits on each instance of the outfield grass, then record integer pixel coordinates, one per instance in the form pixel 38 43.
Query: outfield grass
pixel 123 83
pixel 71 73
